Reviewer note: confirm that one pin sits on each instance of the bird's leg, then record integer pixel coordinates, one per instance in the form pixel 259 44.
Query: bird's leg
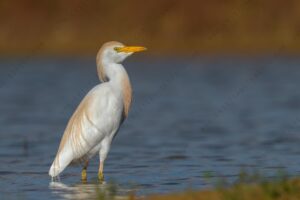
pixel 83 172
pixel 100 172
pixel 105 145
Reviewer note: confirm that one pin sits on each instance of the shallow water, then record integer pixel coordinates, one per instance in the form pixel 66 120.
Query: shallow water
pixel 189 117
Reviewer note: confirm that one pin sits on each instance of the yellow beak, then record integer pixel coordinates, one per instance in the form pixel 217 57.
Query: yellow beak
pixel 130 49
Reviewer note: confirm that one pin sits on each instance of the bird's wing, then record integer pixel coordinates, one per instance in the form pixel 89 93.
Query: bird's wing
pixel 74 131
pixel 82 119
pixel 82 133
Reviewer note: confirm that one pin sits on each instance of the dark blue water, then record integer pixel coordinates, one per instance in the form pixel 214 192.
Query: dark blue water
pixel 190 116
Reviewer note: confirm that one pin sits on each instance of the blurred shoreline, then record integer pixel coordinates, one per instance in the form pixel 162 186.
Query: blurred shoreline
pixel 167 27
pixel 280 189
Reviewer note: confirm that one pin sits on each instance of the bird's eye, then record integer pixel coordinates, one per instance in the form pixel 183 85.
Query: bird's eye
pixel 117 49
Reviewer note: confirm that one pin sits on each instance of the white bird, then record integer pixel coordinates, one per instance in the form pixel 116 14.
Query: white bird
pixel 100 114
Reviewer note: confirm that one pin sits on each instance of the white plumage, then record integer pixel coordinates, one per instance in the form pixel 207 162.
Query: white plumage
pixel 98 117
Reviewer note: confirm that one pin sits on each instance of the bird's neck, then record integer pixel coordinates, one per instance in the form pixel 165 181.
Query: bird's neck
pixel 117 76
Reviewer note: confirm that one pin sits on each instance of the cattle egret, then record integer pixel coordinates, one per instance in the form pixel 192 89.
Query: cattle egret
pixel 100 114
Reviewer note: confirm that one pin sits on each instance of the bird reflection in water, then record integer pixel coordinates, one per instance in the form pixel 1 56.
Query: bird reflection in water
pixel 85 190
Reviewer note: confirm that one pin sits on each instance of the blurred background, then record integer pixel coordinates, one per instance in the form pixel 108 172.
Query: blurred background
pixel 166 26
pixel 216 92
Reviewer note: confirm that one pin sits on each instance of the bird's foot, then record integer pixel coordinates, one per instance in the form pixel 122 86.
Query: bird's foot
pixel 83 175
pixel 100 177
pixel 55 179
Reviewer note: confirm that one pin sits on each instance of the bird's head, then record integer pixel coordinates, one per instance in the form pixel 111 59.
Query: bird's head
pixel 116 52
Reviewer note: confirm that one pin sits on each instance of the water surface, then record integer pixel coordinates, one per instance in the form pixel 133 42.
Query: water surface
pixel 189 117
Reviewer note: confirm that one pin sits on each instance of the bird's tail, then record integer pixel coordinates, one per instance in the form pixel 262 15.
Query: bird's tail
pixel 57 166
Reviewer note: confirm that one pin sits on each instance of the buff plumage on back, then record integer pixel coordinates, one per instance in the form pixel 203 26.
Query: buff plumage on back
pixel 127 96
pixel 74 129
